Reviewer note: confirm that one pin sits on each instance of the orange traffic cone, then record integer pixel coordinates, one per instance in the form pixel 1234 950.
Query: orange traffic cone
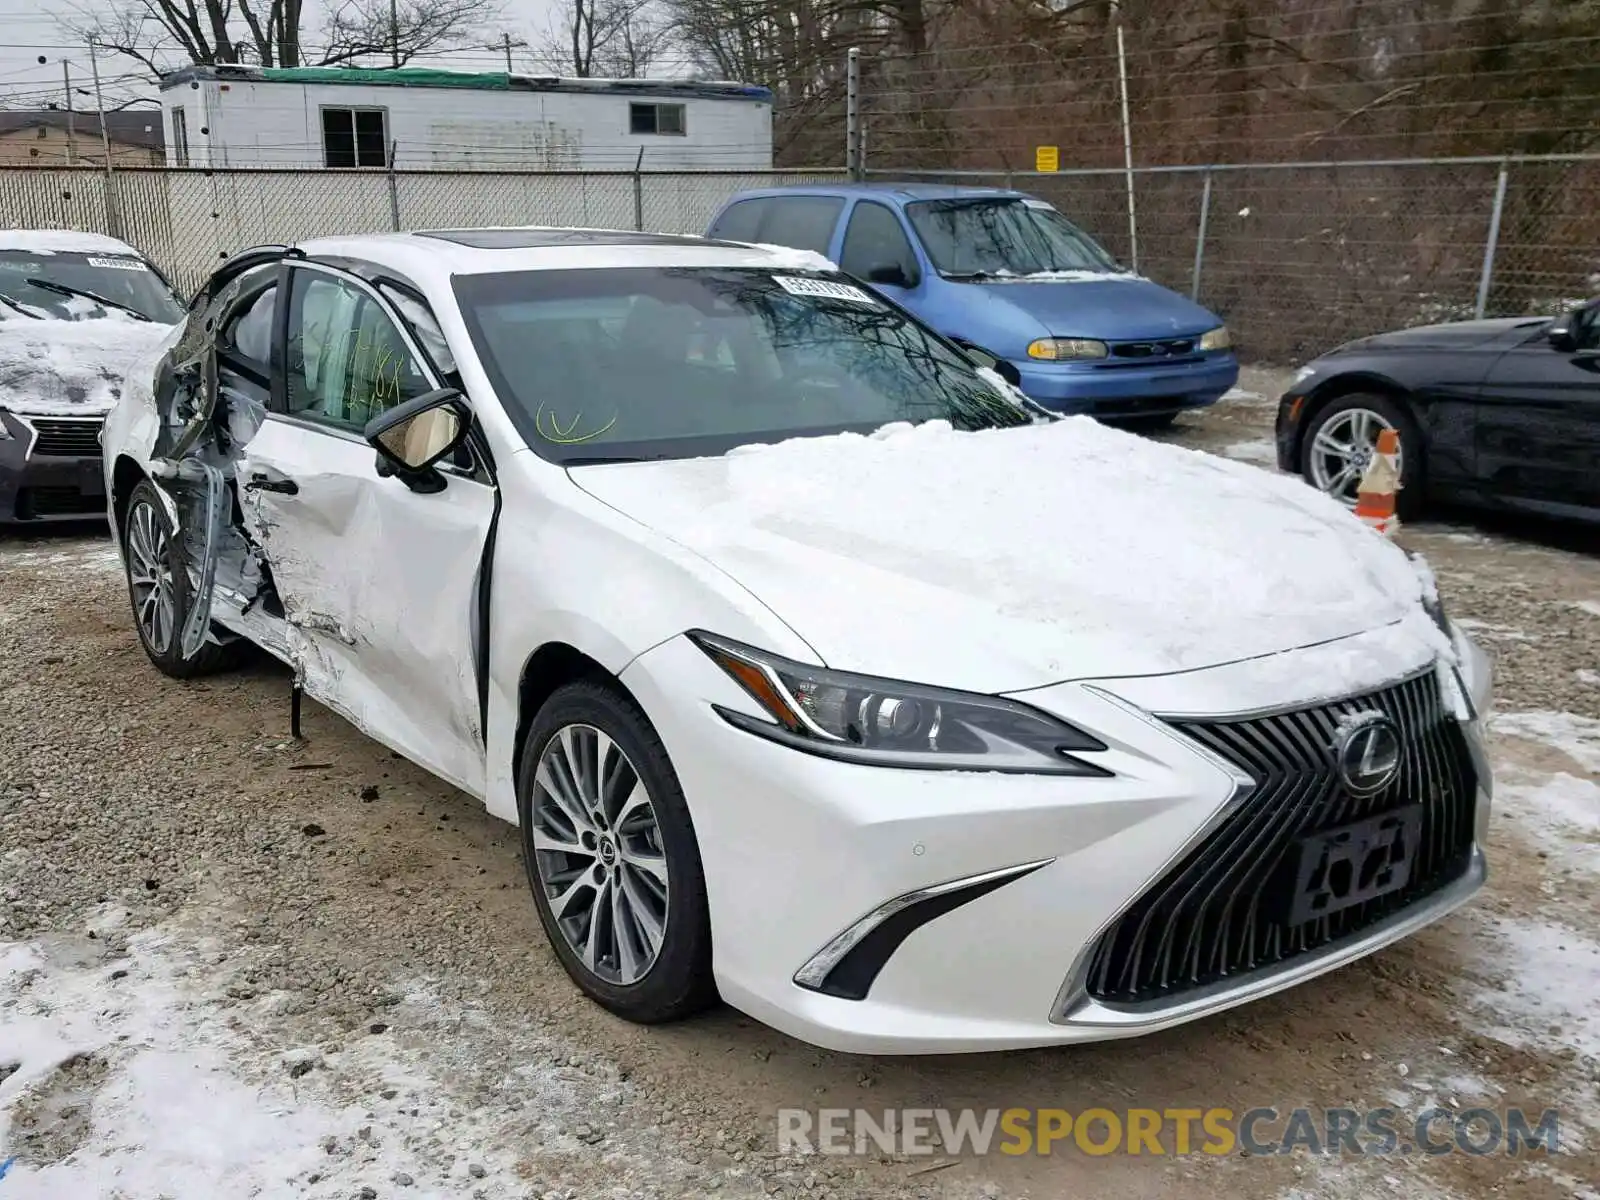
pixel 1375 500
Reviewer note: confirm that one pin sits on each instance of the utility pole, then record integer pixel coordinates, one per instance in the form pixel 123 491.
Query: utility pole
pixel 66 83
pixel 394 31
pixel 506 43
pixel 113 224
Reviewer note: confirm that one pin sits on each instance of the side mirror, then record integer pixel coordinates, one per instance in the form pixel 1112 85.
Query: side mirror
pixel 1002 368
pixel 411 437
pixel 892 274
pixel 1561 334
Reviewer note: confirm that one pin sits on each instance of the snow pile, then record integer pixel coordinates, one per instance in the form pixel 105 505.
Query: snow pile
pixel 1575 736
pixel 1067 526
pixel 74 368
pixel 786 258
pixel 1551 975
pixel 1007 276
pixel 126 1079
pixel 61 241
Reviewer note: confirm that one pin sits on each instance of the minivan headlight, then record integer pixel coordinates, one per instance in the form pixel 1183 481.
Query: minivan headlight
pixel 886 722
pixel 1066 349
pixel 1218 339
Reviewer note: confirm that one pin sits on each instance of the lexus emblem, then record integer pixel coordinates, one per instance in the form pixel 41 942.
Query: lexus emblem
pixel 1367 752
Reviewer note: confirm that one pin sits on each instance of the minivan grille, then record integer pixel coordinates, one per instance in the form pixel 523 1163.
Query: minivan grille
pixel 1225 910
pixel 1171 348
pixel 66 437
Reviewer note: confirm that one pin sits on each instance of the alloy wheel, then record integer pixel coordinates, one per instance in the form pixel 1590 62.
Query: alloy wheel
pixel 155 603
pixel 1343 448
pixel 599 854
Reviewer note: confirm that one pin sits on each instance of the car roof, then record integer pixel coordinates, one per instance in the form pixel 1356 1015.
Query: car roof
pixel 895 193
pixel 61 241
pixel 437 254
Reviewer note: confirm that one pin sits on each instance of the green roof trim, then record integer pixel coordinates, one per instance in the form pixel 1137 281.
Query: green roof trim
pixel 493 81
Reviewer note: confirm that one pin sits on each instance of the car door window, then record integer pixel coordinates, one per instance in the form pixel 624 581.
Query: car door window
pixel 802 222
pixel 248 331
pixel 742 221
pixel 876 238
pixel 347 361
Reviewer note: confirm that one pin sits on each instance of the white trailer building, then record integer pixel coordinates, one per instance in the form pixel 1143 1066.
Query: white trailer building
pixel 332 117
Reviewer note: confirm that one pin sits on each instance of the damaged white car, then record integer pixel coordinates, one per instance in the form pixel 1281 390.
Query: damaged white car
pixel 818 670
pixel 78 312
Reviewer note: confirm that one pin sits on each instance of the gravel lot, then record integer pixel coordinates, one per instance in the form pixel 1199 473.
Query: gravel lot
pixel 320 967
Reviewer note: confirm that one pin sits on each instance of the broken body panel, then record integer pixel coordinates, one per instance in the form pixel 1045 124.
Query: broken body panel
pixel 266 503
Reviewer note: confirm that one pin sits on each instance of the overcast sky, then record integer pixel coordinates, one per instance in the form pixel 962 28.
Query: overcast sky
pixel 29 29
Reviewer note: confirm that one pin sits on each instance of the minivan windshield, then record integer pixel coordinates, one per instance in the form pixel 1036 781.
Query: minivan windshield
pixel 74 285
pixel 1003 236
pixel 643 363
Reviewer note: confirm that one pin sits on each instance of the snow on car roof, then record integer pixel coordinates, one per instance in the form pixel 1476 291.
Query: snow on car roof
pixel 61 241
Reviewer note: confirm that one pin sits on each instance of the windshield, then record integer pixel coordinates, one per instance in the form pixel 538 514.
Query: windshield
pixel 120 279
pixel 603 365
pixel 1009 236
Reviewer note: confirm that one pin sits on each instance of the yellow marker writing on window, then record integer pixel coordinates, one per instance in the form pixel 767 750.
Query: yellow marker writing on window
pixel 566 437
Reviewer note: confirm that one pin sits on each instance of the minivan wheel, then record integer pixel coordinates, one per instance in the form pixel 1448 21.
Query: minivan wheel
pixel 611 857
pixel 1341 439
pixel 159 589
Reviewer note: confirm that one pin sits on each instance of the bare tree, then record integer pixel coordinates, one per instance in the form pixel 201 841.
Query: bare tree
pixel 608 38
pixel 268 33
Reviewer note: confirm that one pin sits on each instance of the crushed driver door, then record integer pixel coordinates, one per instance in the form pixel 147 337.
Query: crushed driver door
pixel 379 581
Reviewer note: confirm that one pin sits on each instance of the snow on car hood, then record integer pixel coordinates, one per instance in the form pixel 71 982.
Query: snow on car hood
pixel 72 368
pixel 1010 559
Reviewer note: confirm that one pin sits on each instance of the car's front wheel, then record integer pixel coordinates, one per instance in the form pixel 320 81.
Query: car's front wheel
pixel 612 857
pixel 1342 439
pixel 160 590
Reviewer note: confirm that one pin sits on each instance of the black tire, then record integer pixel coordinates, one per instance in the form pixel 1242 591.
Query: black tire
pixel 678 983
pixel 1148 422
pixel 168 658
pixel 1413 461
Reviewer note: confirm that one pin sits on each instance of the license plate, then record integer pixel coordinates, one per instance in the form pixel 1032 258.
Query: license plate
pixel 1339 868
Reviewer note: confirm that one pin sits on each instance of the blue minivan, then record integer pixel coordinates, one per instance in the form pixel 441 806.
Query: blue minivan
pixel 1003 272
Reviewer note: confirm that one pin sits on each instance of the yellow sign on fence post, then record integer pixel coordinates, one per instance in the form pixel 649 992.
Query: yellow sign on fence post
pixel 1047 158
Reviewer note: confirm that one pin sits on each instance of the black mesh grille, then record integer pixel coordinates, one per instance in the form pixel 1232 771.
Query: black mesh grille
pixel 34 502
pixel 1171 348
pixel 63 437
pixel 1223 910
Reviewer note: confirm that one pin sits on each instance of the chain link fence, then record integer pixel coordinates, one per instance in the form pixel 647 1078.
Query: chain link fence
pixel 1299 257
pixel 187 221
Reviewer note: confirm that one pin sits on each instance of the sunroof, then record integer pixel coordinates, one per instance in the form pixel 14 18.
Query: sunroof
pixel 527 239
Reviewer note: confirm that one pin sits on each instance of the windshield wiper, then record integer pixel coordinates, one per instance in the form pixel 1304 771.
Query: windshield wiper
pixel 21 308
pixel 596 459
pixel 62 289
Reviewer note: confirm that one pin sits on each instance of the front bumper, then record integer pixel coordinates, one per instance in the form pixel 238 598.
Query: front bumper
pixel 798 848
pixel 1103 389
pixel 46 479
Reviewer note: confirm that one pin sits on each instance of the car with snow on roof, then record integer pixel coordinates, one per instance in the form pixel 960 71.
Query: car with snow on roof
pixel 77 312
pixel 820 669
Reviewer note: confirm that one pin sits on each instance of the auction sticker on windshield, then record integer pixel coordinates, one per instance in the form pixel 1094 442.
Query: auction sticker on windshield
pixel 825 289
pixel 119 264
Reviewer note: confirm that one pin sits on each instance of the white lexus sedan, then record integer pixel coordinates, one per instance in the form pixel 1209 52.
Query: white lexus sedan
pixel 820 672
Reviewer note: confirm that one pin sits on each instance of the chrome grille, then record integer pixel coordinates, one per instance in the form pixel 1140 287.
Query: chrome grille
pixel 66 437
pixel 1221 911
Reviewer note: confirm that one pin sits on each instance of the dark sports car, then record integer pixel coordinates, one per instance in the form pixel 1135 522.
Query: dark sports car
pixel 1500 412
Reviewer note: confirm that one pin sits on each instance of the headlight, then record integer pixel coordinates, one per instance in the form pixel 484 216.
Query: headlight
pixel 1065 349
pixel 1217 339
pixel 884 722
pixel 1303 374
